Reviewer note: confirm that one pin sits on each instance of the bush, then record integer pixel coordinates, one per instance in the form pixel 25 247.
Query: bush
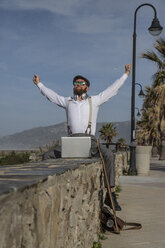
pixel 97 245
pixel 14 158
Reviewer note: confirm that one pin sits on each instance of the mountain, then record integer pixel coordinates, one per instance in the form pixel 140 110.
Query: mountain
pixel 40 136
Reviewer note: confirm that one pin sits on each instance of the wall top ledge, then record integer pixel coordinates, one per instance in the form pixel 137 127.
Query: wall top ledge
pixel 18 177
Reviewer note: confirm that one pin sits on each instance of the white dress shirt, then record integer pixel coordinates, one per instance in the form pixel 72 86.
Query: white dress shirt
pixel 78 111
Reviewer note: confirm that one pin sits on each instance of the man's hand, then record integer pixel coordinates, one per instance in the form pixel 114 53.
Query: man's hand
pixel 128 69
pixel 36 79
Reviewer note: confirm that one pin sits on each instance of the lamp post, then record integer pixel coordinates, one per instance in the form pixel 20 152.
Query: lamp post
pixel 155 29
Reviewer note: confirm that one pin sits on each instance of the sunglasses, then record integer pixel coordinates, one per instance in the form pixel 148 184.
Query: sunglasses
pixel 82 83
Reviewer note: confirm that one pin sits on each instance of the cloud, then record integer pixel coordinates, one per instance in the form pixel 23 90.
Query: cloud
pixel 62 7
pixel 96 24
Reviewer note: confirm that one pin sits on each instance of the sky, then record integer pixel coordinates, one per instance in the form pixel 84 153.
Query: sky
pixel 58 39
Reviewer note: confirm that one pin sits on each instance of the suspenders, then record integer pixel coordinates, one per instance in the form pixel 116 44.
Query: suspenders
pixel 68 125
pixel 90 116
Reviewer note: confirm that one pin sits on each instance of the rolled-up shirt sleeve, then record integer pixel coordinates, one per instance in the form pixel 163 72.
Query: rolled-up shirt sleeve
pixel 111 90
pixel 52 96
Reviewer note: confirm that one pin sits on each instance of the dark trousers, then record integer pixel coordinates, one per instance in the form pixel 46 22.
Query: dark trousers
pixel 107 153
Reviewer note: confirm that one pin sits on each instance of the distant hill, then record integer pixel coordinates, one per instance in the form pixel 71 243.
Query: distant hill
pixel 40 136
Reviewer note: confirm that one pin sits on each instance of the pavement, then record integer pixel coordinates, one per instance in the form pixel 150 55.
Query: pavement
pixel 142 200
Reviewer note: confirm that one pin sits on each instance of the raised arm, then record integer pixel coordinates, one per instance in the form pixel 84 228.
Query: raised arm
pixel 50 94
pixel 113 88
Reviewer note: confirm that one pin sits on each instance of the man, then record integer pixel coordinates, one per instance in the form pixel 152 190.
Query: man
pixel 79 109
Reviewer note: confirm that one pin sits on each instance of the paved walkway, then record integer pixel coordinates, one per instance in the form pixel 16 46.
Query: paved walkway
pixel 142 200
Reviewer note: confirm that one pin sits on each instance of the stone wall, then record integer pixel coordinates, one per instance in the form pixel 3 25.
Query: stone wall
pixel 59 211
pixel 53 204
pixel 121 163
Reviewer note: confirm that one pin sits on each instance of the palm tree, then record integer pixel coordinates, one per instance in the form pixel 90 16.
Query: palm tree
pixel 160 104
pixel 159 59
pixel 108 132
pixel 147 133
pixel 149 119
pixel 153 119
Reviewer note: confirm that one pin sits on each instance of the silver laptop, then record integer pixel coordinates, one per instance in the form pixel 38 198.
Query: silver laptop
pixel 75 147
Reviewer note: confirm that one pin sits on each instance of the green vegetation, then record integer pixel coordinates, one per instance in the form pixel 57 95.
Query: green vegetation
pixel 101 236
pixel 151 127
pixel 14 158
pixel 121 144
pixel 118 189
pixel 23 157
pixel 108 132
pixel 97 245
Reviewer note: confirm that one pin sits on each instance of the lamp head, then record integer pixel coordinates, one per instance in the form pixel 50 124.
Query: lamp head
pixel 141 94
pixel 155 28
pixel 138 114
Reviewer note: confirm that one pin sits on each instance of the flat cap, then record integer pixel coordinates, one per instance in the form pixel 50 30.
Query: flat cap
pixel 83 78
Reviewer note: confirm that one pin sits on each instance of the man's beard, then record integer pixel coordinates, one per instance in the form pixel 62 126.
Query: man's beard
pixel 79 91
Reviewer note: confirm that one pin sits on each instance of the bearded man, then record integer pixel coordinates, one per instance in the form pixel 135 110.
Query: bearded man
pixel 78 111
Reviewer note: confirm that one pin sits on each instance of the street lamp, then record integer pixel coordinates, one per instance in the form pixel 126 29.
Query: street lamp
pixel 154 29
pixel 138 113
pixel 141 93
